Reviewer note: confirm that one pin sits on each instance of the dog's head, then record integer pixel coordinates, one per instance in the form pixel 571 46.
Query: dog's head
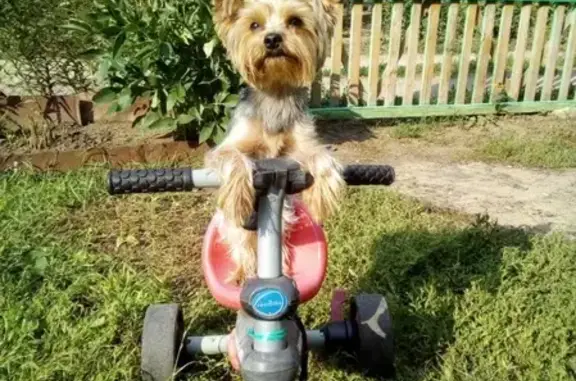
pixel 276 44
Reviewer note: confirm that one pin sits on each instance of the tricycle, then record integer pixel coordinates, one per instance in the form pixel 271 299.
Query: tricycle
pixel 270 340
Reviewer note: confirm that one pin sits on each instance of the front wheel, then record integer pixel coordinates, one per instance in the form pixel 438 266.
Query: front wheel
pixel 375 347
pixel 161 341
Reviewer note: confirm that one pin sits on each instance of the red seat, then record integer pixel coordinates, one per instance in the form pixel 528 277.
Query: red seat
pixel 308 259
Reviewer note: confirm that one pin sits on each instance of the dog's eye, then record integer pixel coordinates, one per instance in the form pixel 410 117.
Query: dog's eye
pixel 295 22
pixel 254 26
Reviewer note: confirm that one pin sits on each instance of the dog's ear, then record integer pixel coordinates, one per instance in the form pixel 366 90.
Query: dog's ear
pixel 330 13
pixel 225 13
pixel 332 10
pixel 227 8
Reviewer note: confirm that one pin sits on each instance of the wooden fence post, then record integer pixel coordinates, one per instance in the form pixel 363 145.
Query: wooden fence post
pixel 536 53
pixel 412 37
pixel 336 58
pixel 375 46
pixel 390 73
pixel 447 58
pixel 354 85
pixel 467 39
pixel 501 54
pixel 429 53
pixel 568 58
pixel 483 56
pixel 553 50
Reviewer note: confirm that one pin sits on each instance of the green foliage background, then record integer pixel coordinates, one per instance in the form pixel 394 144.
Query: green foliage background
pixel 166 51
pixel 40 55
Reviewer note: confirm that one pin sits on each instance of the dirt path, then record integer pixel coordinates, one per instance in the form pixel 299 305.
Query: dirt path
pixel 541 200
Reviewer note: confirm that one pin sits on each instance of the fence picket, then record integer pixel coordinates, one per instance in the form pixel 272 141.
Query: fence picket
pixel 553 50
pixel 568 58
pixel 375 44
pixel 354 90
pixel 519 53
pixel 501 53
pixel 483 57
pixel 447 57
pixel 467 39
pixel 536 53
pixel 412 53
pixel 336 57
pixel 429 53
pixel 390 73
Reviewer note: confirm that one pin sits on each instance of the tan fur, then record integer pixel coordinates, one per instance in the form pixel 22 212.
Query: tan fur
pixel 285 132
pixel 323 197
pixel 243 245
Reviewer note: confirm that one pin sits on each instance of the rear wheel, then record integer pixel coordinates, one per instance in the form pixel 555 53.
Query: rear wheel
pixel 161 339
pixel 375 347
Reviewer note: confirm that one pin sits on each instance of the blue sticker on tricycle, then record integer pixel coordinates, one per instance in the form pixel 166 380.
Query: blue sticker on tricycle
pixel 269 302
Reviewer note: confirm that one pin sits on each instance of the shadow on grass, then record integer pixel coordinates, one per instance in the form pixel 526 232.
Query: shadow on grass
pixel 424 275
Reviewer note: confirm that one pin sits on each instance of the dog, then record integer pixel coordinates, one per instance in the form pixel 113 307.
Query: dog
pixel 278 47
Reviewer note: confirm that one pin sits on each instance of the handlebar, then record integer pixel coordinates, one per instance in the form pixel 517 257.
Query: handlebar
pixel 363 174
pixel 185 179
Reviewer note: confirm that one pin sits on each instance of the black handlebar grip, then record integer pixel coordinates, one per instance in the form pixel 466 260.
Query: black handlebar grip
pixel 150 180
pixel 369 174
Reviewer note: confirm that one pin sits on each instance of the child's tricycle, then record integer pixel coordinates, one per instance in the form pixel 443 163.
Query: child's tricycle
pixel 270 340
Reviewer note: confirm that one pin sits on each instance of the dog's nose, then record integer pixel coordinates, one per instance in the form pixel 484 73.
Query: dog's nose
pixel 272 41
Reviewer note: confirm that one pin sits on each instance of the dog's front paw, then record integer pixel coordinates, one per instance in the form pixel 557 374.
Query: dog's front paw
pixel 236 194
pixel 323 197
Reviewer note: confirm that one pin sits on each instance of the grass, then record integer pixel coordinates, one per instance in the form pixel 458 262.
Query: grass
pixel 470 300
pixel 533 141
pixel 410 130
pixel 555 151
pixel 68 312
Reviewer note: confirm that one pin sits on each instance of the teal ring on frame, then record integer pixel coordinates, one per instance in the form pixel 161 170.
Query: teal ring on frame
pixel 276 335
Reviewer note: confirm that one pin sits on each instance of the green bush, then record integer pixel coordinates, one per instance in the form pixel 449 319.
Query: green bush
pixel 37 55
pixel 166 51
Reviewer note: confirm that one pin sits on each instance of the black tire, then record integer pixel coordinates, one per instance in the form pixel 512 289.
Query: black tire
pixel 161 339
pixel 375 346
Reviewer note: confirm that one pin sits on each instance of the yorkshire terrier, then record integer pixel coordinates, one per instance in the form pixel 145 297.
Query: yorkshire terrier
pixel 278 46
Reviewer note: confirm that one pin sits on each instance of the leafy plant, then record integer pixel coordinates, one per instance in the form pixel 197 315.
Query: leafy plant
pixel 165 51
pixel 37 54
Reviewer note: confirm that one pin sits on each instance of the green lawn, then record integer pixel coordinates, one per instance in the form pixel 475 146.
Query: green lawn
pixel 557 150
pixel 470 300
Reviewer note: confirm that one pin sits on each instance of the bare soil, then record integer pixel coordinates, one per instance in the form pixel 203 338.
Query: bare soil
pixel 118 144
pixel 72 137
